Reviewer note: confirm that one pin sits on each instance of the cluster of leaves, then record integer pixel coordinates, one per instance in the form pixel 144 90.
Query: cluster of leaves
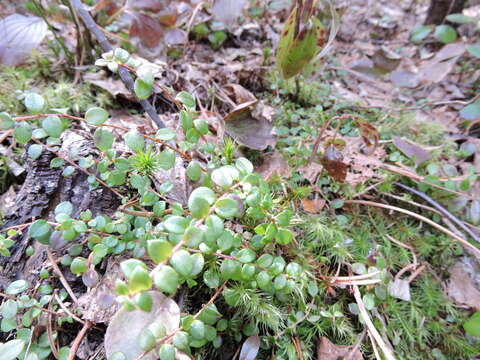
pixel 190 246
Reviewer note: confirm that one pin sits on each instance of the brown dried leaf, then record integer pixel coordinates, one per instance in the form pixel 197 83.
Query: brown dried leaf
pixel 332 161
pixel 314 206
pixel 386 60
pixel 412 150
pixel 330 351
pixel 369 133
pixel 239 94
pixel 147 29
pixel 168 17
pixel 274 164
pixel 19 35
pixel 436 69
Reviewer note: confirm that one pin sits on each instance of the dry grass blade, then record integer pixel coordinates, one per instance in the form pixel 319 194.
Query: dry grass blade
pixel 471 247
pixel 371 328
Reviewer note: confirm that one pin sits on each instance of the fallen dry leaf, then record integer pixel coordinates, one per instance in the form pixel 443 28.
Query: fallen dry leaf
pixel 250 348
pixel 332 161
pixel 117 339
pixel 400 289
pixel 329 351
pixel 436 69
pixel 314 206
pixel 412 150
pixel 464 284
pixel 227 11
pixel 249 127
pixel 274 164
pixel 113 86
pixel 19 35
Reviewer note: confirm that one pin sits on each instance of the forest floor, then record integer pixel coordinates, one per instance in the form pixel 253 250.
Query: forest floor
pixel 390 222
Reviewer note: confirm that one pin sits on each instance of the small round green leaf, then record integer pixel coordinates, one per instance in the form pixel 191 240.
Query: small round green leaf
pixel 167 352
pixel 197 330
pixel 244 165
pixel 199 207
pixel 134 141
pixel 41 231
pixel 34 151
pixel 194 171
pixel 201 126
pixel 165 134
pixel 144 301
pixel 226 208
pixel 166 159
pixel 17 287
pixel 143 90
pixel 23 133
pixel 159 250
pixel 6 121
pixel 186 99
pixel 419 33
pixel 12 349
pixel 167 279
pixel 139 280
pixel 103 139
pixel 78 266
pixel 176 224
pixel 182 263
pixel 446 34
pixel 96 116
pixel 53 126
pixel 34 103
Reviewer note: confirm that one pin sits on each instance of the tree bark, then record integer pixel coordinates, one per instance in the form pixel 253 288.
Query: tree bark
pixel 439 9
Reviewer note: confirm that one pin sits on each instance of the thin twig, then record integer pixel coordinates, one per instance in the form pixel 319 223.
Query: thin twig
pixel 105 45
pixel 420 217
pixel 60 275
pixel 363 311
pixel 64 308
pixel 78 340
pixel 440 208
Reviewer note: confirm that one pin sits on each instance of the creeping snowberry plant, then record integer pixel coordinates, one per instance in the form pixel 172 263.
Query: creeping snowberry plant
pixel 227 237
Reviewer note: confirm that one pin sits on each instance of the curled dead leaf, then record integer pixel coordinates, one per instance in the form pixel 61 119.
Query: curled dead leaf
pixel 332 161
